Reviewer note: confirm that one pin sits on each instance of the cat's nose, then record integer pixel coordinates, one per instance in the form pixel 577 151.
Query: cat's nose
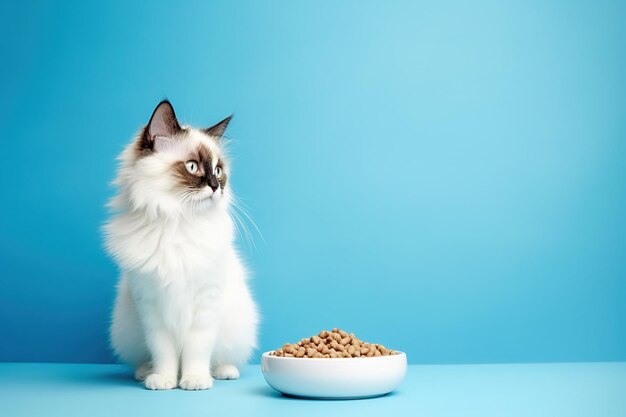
pixel 212 182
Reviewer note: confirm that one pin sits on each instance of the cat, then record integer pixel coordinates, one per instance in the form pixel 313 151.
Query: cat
pixel 183 312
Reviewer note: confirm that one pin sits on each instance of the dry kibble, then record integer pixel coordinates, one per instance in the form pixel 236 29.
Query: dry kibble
pixel 332 344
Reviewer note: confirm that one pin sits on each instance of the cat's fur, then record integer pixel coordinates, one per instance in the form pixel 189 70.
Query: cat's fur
pixel 183 312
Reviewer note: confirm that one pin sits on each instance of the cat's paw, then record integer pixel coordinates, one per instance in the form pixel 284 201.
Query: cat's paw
pixel 196 382
pixel 158 382
pixel 226 372
pixel 142 372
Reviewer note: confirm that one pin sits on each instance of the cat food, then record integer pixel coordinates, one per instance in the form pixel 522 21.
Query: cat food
pixel 332 344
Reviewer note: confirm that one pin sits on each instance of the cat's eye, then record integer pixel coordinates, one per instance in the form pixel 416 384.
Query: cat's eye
pixel 218 172
pixel 192 166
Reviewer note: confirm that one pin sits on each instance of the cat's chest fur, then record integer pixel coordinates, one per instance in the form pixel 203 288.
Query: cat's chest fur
pixel 171 249
pixel 176 267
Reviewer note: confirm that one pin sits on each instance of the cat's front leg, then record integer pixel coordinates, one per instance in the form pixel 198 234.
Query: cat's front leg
pixel 164 359
pixel 199 341
pixel 196 359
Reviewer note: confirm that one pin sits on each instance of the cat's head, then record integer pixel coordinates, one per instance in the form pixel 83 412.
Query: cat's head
pixel 174 169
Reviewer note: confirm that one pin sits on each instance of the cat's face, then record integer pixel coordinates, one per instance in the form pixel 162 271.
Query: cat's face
pixel 176 169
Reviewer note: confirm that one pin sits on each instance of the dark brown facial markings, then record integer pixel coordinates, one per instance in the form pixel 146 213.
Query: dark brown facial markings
pixel 204 176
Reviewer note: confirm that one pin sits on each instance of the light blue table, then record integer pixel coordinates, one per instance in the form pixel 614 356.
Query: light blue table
pixel 583 389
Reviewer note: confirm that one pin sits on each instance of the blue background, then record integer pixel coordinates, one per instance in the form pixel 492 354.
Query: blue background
pixel 446 178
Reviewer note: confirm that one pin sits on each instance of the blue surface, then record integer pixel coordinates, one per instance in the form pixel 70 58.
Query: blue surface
pixel 582 389
pixel 446 178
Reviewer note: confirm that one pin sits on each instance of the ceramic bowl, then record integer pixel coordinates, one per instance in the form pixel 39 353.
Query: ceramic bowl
pixel 334 378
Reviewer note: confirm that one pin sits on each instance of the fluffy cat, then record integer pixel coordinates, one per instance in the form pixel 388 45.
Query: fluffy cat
pixel 183 313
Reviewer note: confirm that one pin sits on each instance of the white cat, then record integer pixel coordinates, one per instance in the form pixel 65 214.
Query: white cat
pixel 183 312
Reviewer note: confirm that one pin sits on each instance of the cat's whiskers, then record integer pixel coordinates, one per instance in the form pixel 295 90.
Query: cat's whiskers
pixel 242 207
pixel 237 221
pixel 243 229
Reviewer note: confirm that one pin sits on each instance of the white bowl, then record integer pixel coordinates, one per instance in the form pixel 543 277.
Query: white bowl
pixel 334 378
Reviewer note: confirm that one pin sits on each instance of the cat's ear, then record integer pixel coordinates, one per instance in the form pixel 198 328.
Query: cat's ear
pixel 218 129
pixel 162 124
pixel 163 121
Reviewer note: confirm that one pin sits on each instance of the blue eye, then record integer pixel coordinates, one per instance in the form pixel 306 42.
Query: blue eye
pixel 192 166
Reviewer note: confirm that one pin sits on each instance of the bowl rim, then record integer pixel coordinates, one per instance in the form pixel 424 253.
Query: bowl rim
pixel 399 354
